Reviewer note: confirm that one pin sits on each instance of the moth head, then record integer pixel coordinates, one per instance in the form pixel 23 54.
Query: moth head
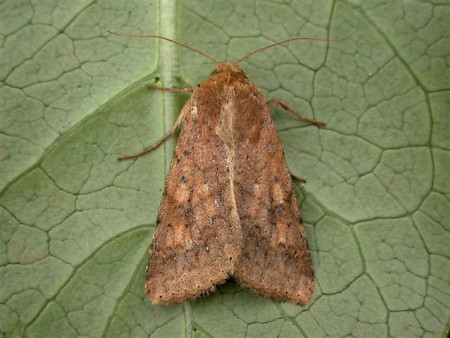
pixel 227 67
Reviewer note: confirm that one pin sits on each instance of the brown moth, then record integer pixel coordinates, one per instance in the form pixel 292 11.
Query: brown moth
pixel 228 207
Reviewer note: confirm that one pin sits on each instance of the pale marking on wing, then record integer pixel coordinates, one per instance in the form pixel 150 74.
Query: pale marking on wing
pixel 226 132
pixel 278 194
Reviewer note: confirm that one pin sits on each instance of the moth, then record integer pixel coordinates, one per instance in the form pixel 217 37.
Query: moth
pixel 228 207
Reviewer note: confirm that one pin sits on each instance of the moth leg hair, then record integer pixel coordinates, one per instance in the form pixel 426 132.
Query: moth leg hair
pixel 173 90
pixel 273 102
pixel 155 145
pixel 297 178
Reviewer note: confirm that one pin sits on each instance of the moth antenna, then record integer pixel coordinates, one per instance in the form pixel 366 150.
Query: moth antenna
pixel 170 40
pixel 279 43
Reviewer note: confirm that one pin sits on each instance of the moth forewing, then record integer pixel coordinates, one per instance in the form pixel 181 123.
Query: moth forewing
pixel 275 259
pixel 198 238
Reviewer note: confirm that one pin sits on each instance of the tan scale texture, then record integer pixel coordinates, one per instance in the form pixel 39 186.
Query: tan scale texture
pixel 228 208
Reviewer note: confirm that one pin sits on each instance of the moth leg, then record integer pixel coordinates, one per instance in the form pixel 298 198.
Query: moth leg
pixel 272 103
pixel 155 145
pixel 173 90
pixel 298 178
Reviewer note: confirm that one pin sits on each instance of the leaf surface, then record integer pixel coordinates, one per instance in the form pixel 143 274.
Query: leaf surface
pixel 76 224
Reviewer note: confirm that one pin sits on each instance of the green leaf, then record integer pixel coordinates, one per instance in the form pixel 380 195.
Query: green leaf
pixel 76 223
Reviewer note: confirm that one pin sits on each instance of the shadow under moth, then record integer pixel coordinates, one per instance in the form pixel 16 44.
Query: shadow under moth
pixel 228 208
